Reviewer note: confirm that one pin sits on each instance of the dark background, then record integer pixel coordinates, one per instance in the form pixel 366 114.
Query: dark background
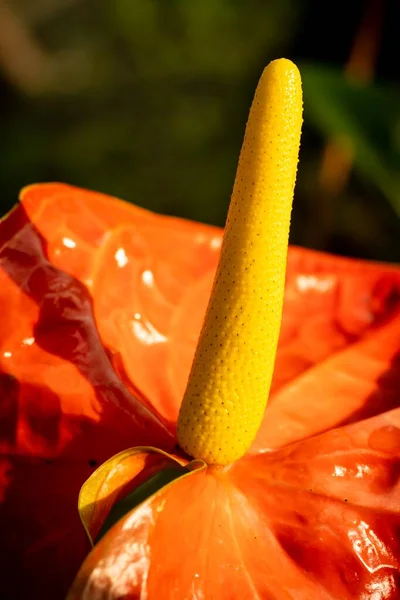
pixel 148 99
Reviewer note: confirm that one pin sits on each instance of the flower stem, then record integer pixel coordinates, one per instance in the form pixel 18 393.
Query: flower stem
pixel 228 387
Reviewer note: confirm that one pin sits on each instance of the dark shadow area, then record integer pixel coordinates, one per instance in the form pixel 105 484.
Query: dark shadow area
pixel 40 479
pixel 42 537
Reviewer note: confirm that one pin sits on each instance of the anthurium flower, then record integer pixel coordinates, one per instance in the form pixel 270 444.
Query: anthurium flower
pixel 102 310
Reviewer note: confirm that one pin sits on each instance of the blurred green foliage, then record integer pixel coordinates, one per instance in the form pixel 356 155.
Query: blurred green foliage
pixel 153 104
pixel 365 117
pixel 147 100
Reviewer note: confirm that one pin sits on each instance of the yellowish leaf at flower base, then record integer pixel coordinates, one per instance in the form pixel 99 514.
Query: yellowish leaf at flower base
pixel 231 374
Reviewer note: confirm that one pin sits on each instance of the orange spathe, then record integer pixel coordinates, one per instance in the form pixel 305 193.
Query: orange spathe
pixel 80 382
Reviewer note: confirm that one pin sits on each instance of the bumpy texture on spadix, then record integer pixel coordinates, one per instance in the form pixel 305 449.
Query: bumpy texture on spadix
pixel 231 374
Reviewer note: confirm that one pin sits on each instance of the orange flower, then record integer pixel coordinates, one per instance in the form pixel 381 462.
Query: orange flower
pixel 102 305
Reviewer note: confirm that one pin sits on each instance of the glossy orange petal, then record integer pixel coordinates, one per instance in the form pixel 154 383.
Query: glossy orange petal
pixel 319 519
pixel 63 410
pixel 140 268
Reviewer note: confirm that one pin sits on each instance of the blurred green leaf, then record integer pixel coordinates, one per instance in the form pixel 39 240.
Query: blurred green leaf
pixel 366 117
